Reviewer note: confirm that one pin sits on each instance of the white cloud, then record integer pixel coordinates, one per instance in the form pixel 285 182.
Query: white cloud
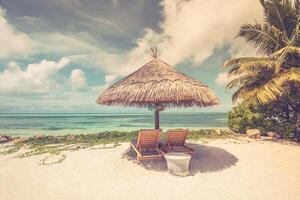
pixel 20 44
pixel 193 29
pixel 12 42
pixel 239 49
pixel 36 78
pixel 190 30
pixel 77 79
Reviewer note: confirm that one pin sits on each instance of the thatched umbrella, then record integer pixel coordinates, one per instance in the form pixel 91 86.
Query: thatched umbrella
pixel 157 85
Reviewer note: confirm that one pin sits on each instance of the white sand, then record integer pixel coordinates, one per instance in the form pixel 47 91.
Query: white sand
pixel 222 169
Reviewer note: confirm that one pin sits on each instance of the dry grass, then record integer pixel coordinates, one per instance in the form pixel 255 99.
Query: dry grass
pixel 157 83
pixel 55 145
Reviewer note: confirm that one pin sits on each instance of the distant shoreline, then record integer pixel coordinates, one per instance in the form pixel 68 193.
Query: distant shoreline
pixel 78 132
pixel 110 113
pixel 62 124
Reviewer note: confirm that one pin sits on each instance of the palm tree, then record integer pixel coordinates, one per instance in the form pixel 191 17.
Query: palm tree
pixel 276 73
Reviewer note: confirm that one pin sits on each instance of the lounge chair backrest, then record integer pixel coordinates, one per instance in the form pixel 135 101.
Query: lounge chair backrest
pixel 148 138
pixel 176 137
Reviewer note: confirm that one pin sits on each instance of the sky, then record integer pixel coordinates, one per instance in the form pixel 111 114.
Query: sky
pixel 59 55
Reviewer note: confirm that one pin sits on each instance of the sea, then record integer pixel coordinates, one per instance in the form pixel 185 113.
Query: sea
pixel 28 124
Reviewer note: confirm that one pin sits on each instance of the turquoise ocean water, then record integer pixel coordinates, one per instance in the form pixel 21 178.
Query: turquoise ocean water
pixel 77 123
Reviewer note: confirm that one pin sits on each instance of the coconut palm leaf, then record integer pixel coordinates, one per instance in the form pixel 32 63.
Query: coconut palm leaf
pixel 238 94
pixel 264 37
pixel 237 61
pixel 295 38
pixel 281 14
pixel 246 93
pixel 269 91
pixel 283 55
pixel 277 77
pixel 262 93
pixel 290 75
pixel 287 50
pixel 252 67
pixel 239 80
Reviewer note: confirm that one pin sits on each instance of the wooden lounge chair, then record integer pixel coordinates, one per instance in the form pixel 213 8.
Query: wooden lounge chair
pixel 146 145
pixel 176 142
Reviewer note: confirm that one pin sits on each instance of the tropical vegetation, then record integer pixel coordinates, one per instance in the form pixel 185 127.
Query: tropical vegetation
pixel 57 145
pixel 270 81
pixel 266 117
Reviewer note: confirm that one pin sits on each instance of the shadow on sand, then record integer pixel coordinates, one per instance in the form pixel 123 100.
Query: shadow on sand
pixel 205 159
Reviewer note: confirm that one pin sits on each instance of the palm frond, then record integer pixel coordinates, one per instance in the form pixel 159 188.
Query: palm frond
pixel 271 90
pixel 290 75
pixel 238 94
pixel 281 14
pixel 252 67
pixel 239 81
pixel 285 50
pixel 237 61
pixel 264 37
pixel 262 93
pixel 264 79
pixel 268 92
pixel 295 38
pixel 282 56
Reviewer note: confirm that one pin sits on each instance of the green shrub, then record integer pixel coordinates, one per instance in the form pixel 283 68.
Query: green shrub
pixel 269 117
pixel 244 117
pixel 286 130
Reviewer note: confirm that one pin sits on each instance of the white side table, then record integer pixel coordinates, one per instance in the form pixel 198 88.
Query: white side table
pixel 178 163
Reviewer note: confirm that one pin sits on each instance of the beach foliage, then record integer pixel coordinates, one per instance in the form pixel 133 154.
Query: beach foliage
pixel 57 145
pixel 272 79
pixel 244 116
pixel 269 117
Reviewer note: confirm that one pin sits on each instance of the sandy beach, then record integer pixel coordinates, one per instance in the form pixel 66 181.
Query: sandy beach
pixel 210 89
pixel 220 169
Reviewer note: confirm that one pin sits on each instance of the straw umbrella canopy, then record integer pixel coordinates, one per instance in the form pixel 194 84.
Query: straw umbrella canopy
pixel 157 85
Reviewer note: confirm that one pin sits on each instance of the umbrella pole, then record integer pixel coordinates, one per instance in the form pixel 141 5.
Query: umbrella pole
pixel 156 115
pixel 156 119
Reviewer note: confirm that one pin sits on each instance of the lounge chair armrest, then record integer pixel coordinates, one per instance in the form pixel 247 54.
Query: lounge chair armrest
pixel 169 146
pixel 136 149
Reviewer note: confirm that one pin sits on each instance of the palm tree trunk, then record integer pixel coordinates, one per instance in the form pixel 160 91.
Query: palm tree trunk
pixel 287 113
pixel 297 135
